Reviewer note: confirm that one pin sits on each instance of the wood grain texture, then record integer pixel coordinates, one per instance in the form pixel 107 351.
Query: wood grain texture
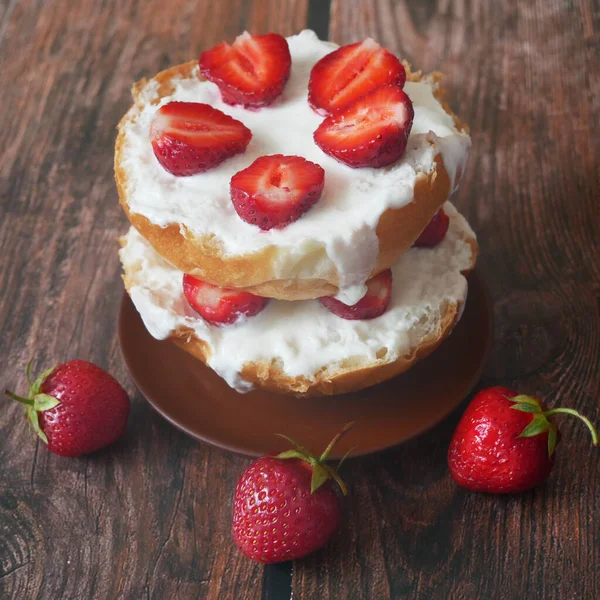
pixel 150 517
pixel 524 75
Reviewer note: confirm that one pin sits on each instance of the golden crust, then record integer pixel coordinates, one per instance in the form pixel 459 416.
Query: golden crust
pixel 328 381
pixel 269 376
pixel 397 229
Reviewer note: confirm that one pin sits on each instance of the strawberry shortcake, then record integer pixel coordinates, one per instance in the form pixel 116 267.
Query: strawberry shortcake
pixel 290 223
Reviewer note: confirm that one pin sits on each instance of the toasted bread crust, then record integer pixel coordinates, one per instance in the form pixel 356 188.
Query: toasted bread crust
pixel 328 382
pixel 203 257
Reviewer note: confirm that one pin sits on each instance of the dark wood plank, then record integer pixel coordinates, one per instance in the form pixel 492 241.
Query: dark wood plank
pixel 524 76
pixel 149 518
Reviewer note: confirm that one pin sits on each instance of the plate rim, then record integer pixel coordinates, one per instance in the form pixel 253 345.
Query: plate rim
pixel 373 450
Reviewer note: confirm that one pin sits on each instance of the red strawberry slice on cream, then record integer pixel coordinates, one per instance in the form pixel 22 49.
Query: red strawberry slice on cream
pixel 252 71
pixel 371 132
pixel 220 306
pixel 276 190
pixel 435 231
pixel 351 71
pixel 191 137
pixel 373 304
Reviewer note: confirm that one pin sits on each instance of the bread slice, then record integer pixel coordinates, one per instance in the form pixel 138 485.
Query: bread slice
pixel 276 270
pixel 429 292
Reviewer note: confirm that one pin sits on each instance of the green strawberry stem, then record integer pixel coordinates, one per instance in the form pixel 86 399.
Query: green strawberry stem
pixel 570 411
pixel 37 401
pixel 541 423
pixel 321 472
pixel 347 427
pixel 20 399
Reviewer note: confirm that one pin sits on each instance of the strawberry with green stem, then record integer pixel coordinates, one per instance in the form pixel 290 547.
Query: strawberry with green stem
pixel 286 505
pixel 75 408
pixel 505 442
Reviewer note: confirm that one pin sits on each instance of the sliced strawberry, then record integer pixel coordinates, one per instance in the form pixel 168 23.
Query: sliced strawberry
pixel 435 231
pixel 371 305
pixel 350 72
pixel 371 132
pixel 252 71
pixel 276 190
pixel 220 306
pixel 190 137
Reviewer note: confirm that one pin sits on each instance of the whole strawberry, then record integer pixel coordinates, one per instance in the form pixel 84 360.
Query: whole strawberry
pixel 285 506
pixel 505 442
pixel 75 408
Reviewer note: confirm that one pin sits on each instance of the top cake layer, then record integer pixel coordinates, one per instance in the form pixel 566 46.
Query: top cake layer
pixel 335 245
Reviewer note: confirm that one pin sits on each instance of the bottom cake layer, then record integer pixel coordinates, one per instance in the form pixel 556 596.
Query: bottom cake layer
pixel 300 347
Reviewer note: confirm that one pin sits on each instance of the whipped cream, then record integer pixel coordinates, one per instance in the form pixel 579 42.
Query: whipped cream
pixel 345 218
pixel 304 336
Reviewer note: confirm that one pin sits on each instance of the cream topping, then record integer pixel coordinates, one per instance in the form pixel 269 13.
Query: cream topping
pixel 304 336
pixel 345 218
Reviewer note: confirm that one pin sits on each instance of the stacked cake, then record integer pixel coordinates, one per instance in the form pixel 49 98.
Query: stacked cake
pixel 290 217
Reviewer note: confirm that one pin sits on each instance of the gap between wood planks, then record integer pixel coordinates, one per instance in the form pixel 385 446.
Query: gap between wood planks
pixel 277 579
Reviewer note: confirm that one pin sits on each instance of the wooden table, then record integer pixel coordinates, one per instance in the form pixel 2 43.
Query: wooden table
pixel 150 518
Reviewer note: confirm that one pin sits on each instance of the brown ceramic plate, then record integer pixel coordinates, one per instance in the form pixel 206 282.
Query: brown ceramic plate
pixel 192 397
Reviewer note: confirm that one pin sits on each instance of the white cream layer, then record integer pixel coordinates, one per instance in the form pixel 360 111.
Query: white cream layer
pixel 304 335
pixel 344 219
